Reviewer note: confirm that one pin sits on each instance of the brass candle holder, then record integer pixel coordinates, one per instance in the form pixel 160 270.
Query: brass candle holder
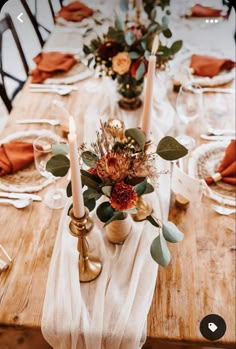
pixel 89 266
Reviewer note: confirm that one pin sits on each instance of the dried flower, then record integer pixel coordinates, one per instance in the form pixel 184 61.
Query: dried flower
pixel 93 171
pixel 121 63
pixel 123 196
pixel 113 166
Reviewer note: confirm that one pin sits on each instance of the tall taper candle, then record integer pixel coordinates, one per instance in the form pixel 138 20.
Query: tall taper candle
pixel 138 4
pixel 147 108
pixel 77 193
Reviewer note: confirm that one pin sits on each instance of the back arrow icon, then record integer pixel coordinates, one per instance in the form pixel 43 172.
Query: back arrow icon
pixel 19 17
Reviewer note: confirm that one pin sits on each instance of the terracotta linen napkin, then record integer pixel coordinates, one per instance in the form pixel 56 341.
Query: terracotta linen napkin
pixel 204 11
pixel 15 156
pixel 49 63
pixel 75 12
pixel 226 171
pixel 210 66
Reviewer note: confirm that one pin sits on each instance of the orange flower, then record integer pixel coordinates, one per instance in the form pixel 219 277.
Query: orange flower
pixel 113 166
pixel 121 63
pixel 123 196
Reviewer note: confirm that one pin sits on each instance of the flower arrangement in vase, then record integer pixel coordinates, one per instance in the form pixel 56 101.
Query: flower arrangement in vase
pixel 119 169
pixel 123 53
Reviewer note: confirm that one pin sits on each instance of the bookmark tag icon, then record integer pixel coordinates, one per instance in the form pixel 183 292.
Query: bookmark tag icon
pixel 212 327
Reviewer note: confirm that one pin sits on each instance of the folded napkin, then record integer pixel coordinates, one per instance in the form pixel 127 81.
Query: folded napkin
pixel 15 156
pixel 204 11
pixel 75 12
pixel 227 168
pixel 210 66
pixel 49 63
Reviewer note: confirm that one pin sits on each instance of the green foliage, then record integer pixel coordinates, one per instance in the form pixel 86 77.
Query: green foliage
pixel 153 220
pixel 176 46
pixel 69 190
pixel 129 38
pixel 141 187
pixel 140 71
pixel 170 149
pixel 171 232
pixel 58 165
pixel 60 148
pixel 105 212
pixel 90 159
pixel 107 190
pixel 137 135
pixel 159 251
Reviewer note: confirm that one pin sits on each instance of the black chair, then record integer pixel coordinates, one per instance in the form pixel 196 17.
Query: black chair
pixel 5 25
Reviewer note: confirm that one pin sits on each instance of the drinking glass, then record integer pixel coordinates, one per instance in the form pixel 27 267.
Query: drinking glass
pixel 55 198
pixel 189 102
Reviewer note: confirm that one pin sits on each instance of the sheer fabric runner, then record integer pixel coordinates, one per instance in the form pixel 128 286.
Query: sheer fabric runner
pixel 110 312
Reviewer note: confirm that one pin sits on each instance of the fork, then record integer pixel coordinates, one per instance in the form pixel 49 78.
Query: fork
pixel 39 121
pixel 223 210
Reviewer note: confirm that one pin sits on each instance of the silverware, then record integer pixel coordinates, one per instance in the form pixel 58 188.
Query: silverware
pixel 33 197
pixel 223 210
pixel 19 203
pixel 216 138
pixel 62 92
pixel 53 86
pixel 218 90
pixel 220 132
pixel 39 121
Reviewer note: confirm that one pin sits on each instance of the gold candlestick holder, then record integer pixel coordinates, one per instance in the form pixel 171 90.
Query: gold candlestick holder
pixel 89 266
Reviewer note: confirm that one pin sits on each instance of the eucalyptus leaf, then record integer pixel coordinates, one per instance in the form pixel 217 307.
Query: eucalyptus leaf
pixel 94 177
pixel 69 190
pixel 141 187
pixel 176 46
pixel 107 190
pixel 140 71
pixel 159 251
pixel 118 23
pixel 165 21
pixel 134 55
pixel 60 148
pixel 87 50
pixel 131 211
pixel 90 203
pixel 137 135
pixel 69 209
pixel 90 159
pixel 153 14
pixel 167 33
pixel 149 189
pixel 105 212
pixel 147 54
pixel 91 193
pixel 153 220
pixel 89 182
pixel 58 165
pixel 129 37
pixel 124 5
pixel 116 217
pixel 170 149
pixel 171 232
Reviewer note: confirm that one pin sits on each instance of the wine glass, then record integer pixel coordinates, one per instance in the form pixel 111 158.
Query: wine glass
pixel 189 102
pixel 55 198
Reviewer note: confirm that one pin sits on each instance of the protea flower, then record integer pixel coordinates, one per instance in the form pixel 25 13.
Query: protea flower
pixel 113 166
pixel 123 196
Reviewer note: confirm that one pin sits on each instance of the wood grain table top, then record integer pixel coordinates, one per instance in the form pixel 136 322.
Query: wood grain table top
pixel 200 279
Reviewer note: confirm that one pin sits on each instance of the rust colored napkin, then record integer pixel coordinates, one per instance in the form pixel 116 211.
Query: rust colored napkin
pixel 210 66
pixel 204 11
pixel 15 156
pixel 75 12
pixel 227 168
pixel 49 63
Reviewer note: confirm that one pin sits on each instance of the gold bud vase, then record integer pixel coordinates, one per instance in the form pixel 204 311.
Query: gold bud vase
pixel 118 231
pixel 144 209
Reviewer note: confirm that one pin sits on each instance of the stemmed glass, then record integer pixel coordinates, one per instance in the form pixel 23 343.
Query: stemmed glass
pixel 55 198
pixel 189 106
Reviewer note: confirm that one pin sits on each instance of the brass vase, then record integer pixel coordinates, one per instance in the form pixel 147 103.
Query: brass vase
pixel 117 231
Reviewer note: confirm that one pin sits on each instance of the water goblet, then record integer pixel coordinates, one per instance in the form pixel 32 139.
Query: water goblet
pixel 55 198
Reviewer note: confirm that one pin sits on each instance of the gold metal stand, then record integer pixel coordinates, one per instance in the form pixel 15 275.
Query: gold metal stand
pixel 89 266
pixel 144 209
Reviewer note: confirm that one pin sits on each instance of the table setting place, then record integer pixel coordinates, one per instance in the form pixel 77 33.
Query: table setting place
pixel 112 146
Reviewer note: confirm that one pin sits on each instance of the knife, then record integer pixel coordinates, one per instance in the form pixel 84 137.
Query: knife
pixel 216 138
pixel 33 197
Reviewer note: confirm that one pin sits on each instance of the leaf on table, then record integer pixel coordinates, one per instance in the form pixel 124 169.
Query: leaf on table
pixel 58 165
pixel 170 149
pixel 159 251
pixel 171 232
pixel 137 135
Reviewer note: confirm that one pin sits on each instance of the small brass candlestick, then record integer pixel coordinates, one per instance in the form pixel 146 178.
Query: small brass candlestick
pixel 89 266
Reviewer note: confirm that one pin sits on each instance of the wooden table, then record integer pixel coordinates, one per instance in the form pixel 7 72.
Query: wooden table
pixel 200 279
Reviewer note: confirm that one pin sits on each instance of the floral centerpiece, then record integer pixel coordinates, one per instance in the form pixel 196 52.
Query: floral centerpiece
pixel 119 169
pixel 123 53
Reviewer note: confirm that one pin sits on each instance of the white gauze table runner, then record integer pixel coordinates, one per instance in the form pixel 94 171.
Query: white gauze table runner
pixel 111 311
